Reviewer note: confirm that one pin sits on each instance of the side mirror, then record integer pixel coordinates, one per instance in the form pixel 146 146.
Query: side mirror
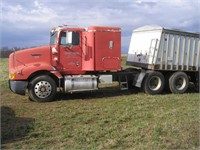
pixel 69 38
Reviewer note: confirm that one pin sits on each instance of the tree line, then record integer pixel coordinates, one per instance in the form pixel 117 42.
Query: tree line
pixel 6 51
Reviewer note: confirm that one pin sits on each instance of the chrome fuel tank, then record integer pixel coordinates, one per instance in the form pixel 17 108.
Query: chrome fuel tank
pixel 77 83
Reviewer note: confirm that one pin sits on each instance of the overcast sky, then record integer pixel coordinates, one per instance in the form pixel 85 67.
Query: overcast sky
pixel 27 23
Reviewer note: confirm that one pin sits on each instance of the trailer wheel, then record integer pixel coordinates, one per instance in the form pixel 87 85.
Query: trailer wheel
pixel 178 82
pixel 153 82
pixel 42 89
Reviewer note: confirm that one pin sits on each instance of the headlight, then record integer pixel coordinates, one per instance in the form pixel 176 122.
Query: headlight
pixel 12 76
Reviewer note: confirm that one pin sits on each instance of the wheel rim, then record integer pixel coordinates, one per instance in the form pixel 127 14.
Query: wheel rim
pixel 154 83
pixel 43 89
pixel 180 83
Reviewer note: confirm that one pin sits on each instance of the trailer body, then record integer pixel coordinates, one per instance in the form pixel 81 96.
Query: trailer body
pixel 157 48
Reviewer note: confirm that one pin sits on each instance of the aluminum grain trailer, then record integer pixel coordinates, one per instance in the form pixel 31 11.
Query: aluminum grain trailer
pixel 169 58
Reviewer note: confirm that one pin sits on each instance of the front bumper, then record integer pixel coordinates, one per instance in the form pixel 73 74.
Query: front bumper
pixel 18 87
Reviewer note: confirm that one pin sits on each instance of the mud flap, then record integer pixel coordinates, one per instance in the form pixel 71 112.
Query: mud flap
pixel 137 81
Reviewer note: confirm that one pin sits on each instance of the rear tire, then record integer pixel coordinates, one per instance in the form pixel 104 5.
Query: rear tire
pixel 178 82
pixel 153 83
pixel 42 89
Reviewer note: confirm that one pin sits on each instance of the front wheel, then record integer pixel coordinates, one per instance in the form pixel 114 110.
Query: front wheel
pixel 154 82
pixel 42 89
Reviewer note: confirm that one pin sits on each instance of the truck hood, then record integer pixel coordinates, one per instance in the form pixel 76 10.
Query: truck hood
pixel 30 56
pixel 34 50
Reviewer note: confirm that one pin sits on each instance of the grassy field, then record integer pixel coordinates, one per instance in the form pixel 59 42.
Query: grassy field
pixel 107 119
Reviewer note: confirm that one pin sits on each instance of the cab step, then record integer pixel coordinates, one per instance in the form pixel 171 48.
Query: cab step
pixel 123 82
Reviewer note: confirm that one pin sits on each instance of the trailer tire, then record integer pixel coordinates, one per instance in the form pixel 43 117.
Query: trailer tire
pixel 42 89
pixel 178 82
pixel 153 83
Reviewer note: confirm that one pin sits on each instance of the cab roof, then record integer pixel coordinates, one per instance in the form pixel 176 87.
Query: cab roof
pixel 103 28
pixel 89 29
pixel 65 28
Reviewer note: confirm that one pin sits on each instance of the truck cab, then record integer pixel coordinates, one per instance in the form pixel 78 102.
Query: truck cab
pixel 78 50
pixel 66 50
pixel 72 61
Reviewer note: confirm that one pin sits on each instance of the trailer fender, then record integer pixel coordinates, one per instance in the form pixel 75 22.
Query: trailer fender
pixel 137 81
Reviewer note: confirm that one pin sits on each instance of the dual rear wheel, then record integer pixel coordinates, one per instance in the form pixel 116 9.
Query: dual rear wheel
pixel 178 82
pixel 154 82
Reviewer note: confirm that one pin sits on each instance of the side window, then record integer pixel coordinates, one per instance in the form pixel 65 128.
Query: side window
pixel 63 38
pixel 75 38
pixel 70 38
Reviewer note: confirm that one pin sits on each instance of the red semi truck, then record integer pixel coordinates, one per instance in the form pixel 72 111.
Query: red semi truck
pixel 78 59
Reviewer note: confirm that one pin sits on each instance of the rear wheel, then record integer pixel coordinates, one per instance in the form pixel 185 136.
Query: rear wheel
pixel 42 89
pixel 178 82
pixel 153 82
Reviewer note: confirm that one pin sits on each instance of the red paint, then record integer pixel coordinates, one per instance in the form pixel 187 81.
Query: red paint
pixel 99 49
pixel 25 62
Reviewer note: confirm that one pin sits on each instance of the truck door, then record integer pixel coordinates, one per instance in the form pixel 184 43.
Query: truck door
pixel 70 51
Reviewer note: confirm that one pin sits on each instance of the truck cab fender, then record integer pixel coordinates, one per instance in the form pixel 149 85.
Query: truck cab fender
pixel 27 72
pixel 57 74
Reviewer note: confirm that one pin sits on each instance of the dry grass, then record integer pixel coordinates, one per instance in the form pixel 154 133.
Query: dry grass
pixel 107 119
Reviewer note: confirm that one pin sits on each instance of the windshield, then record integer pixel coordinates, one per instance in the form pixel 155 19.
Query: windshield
pixel 53 38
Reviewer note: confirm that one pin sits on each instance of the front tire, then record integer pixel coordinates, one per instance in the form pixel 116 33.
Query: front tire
pixel 153 82
pixel 178 82
pixel 42 89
